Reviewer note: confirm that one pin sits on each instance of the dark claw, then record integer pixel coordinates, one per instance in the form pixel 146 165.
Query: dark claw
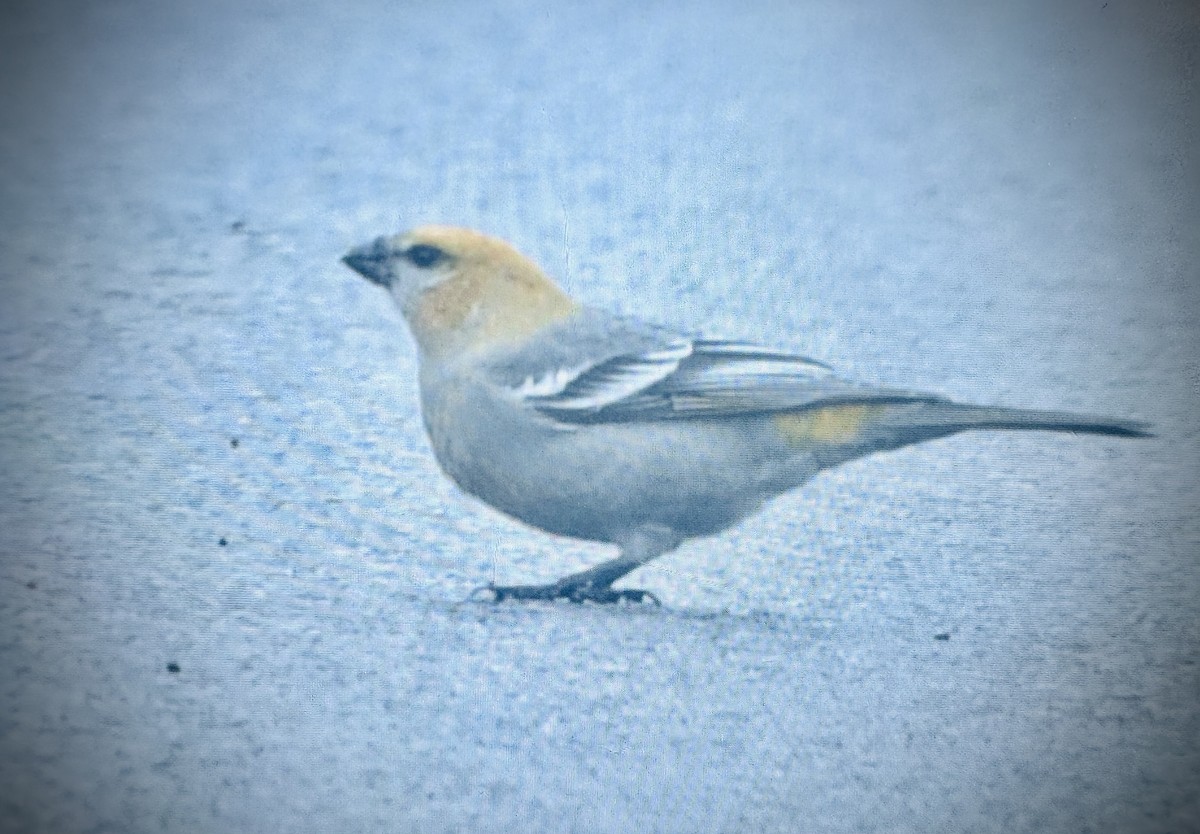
pixel 575 593
pixel 608 595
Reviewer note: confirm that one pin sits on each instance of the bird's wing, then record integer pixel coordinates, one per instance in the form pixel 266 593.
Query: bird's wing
pixel 603 369
pixel 591 360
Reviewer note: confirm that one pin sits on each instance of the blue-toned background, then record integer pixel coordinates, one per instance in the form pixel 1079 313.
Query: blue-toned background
pixel 999 202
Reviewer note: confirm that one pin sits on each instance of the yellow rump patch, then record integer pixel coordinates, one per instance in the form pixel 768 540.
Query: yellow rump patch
pixel 834 424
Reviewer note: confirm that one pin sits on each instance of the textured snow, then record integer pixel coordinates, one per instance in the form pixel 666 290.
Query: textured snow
pixel 232 580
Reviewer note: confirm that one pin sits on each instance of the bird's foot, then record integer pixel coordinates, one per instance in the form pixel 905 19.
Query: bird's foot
pixel 601 594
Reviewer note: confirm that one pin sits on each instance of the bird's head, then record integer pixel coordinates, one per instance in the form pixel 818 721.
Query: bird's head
pixel 461 290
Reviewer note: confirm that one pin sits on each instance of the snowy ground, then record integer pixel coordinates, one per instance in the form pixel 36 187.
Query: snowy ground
pixel 232 579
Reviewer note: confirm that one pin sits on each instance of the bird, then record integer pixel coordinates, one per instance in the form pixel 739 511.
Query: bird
pixel 601 427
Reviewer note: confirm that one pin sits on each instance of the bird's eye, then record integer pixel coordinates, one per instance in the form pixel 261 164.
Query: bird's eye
pixel 424 255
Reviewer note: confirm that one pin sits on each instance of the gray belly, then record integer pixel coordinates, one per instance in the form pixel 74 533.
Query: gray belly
pixel 597 481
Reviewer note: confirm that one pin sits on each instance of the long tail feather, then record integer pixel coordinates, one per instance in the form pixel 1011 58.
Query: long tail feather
pixel 946 418
pixel 902 424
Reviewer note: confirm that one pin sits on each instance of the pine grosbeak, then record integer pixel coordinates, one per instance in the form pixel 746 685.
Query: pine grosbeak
pixel 590 425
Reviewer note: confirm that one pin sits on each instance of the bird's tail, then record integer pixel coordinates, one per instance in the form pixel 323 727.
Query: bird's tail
pixel 941 418
pixel 901 424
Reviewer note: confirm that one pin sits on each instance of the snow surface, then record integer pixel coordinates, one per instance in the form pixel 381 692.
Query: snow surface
pixel 232 578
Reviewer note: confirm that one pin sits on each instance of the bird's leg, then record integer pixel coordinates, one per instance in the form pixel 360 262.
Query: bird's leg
pixel 591 585
pixel 595 584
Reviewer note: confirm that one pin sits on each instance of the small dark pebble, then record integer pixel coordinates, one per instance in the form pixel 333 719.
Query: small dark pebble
pixel 237 226
pixel 173 668
pixel 942 636
pixel 234 442
pixel 221 541
pixel 31 585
